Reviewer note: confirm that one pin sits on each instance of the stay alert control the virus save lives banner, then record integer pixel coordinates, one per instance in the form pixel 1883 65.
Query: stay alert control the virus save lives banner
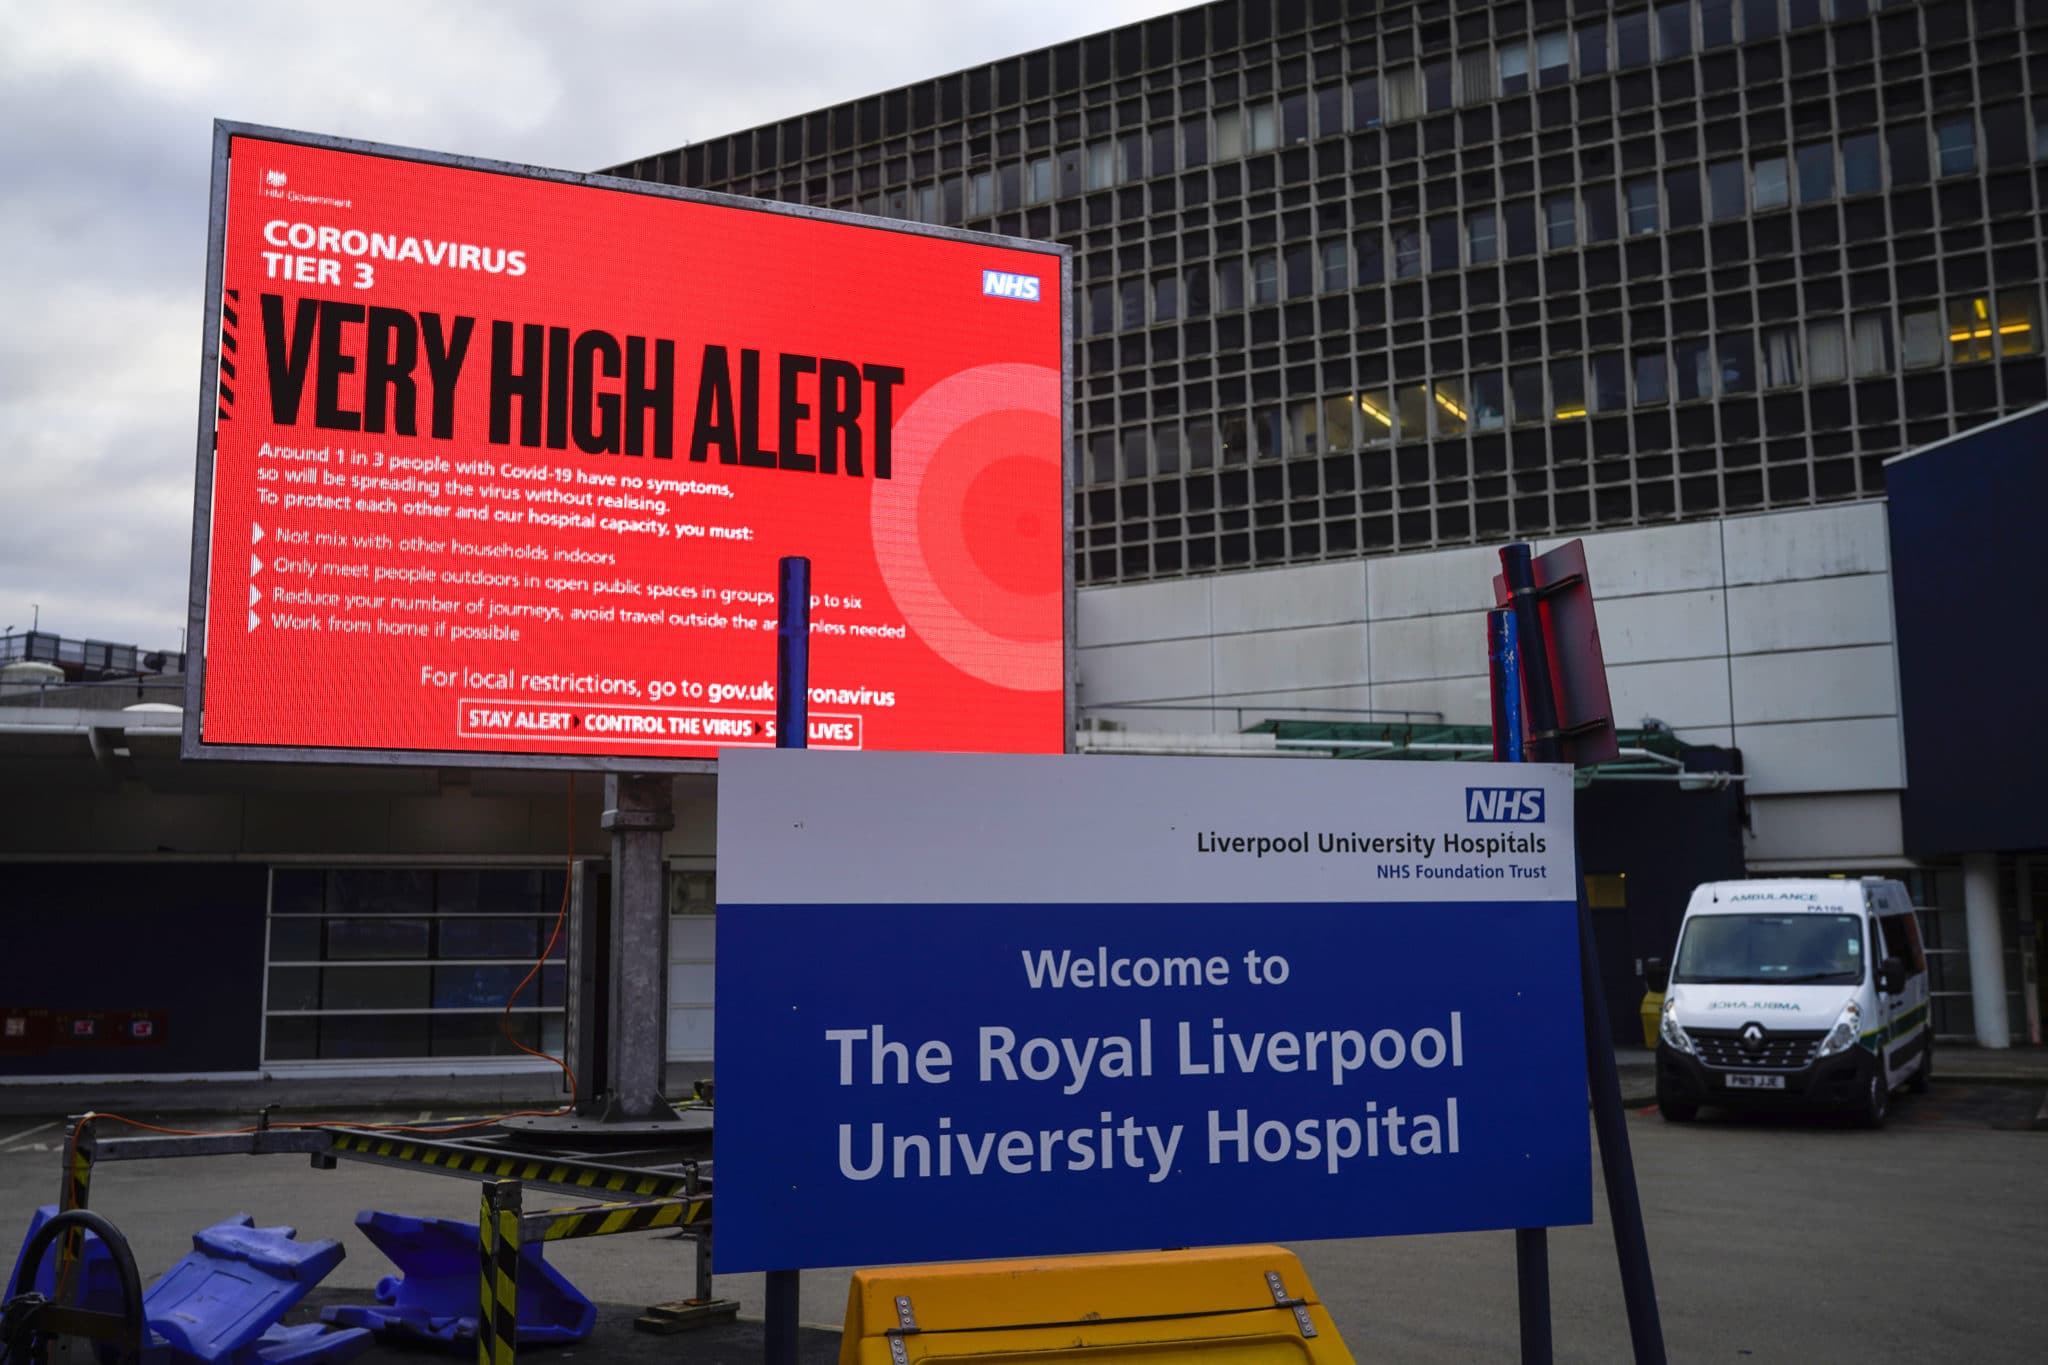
pixel 506 464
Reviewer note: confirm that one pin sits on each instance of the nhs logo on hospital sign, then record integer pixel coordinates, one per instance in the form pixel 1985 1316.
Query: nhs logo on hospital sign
pixel 1504 805
pixel 1004 285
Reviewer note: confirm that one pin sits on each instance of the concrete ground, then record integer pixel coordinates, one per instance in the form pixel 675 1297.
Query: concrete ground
pixel 1773 1239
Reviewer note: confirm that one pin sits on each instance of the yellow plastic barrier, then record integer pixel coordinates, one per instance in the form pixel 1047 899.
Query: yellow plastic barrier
pixel 1231 1305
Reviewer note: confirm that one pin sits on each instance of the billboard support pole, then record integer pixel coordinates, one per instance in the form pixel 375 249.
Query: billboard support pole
pixel 792 731
pixel 638 810
pixel 1532 1245
pixel 1617 1164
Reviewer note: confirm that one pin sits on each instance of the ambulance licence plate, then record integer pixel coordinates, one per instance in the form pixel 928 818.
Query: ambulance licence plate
pixel 1748 1081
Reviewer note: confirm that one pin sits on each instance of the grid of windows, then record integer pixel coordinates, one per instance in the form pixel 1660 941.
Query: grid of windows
pixel 1358 277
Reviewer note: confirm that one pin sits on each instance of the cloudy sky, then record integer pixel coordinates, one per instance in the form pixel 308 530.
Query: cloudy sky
pixel 107 110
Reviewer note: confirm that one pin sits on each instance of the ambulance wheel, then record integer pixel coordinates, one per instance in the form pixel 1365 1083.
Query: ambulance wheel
pixel 1923 1074
pixel 1676 1111
pixel 1877 1099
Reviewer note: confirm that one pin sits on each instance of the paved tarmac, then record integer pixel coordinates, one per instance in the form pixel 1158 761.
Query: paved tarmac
pixel 1793 1239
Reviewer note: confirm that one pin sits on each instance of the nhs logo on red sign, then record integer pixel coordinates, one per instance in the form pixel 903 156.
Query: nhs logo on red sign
pixel 1004 285
pixel 1503 805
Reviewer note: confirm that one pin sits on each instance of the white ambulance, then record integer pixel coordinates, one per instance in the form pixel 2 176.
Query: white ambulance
pixel 1807 993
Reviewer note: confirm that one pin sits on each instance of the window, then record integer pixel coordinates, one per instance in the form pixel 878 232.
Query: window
pixel 1130 157
pixel 1136 465
pixel 1652 385
pixel 1101 310
pixel 928 200
pixel 1601 224
pixel 1166 448
pixel 1970 331
pixel 1956 141
pixel 1476 84
pixel 1525 386
pixel 1816 172
pixel 1443 242
pixel 1862 172
pixel 1610 381
pixel 1403 95
pixel 1908 148
pixel 1375 415
pixel 1482 238
pixel 1682 196
pixel 1336 264
pixel 1781 357
pixel 1693 369
pixel 1165 298
pixel 1717 23
pixel 1453 408
pixel 1412 407
pixel 1920 339
pixel 1329 111
pixel 1521 221
pixel 1553 57
pixel 1872 333
pixel 1674 31
pixel 1489 410
pixel 1593 48
pixel 1436 86
pixel 1340 428
pixel 1101 166
pixel 1759 19
pixel 1194 143
pixel 1737 354
pixel 1632 39
pixel 1407 252
pixel 2041 129
pixel 1298 265
pixel 1196 291
pixel 1131 304
pixel 1304 428
pixel 1726 181
pixel 2019 325
pixel 1294 118
pixel 1642 205
pixel 1265 278
pixel 1365 102
pixel 1372 256
pixel 1229 138
pixel 1514 68
pixel 1771 189
pixel 1567 389
pixel 1827 358
pixel 1230 283
pixel 1560 221
pixel 1264 134
pixel 1039 181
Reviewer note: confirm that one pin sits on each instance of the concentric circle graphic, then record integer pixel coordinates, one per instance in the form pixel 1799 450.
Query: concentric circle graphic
pixel 968 530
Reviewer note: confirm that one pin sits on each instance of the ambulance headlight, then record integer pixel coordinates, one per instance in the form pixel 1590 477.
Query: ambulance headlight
pixel 1848 1028
pixel 1668 1027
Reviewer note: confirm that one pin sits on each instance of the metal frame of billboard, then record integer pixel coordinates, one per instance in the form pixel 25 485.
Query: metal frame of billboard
pixel 224 132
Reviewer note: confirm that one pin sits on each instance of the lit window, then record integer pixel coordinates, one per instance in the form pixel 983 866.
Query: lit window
pixel 1970 331
pixel 1265 128
pixel 1453 408
pixel 1339 419
pixel 1567 389
pixel 1772 191
pixel 2019 323
pixel 1229 136
pixel 1412 405
pixel 1375 415
pixel 1956 142
pixel 1642 205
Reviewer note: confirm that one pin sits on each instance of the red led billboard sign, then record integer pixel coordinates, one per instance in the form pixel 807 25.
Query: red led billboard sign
pixel 496 464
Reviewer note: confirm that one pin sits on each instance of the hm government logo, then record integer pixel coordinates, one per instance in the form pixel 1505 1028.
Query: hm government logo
pixel 1003 285
pixel 1504 805
pixel 274 179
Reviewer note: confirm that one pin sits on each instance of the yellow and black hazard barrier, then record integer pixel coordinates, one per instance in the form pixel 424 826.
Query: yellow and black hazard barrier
pixel 503 1227
pixel 459 1160
pixel 1244 1305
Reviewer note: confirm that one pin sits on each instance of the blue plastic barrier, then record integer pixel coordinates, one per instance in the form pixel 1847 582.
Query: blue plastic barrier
pixel 222 1302
pixel 434 1297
